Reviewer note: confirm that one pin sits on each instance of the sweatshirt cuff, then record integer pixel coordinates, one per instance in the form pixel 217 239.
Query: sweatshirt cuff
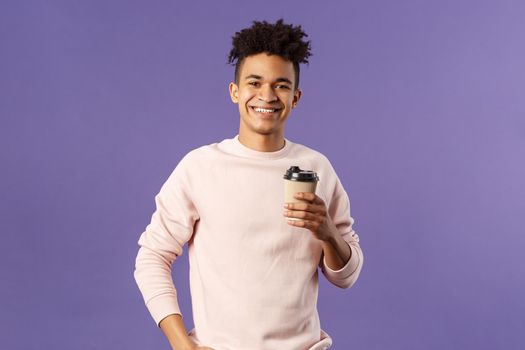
pixel 346 271
pixel 162 306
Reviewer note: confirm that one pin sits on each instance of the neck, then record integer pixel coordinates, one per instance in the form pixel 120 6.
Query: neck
pixel 262 143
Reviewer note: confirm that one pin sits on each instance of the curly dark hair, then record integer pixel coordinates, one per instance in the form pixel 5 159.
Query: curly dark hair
pixel 280 39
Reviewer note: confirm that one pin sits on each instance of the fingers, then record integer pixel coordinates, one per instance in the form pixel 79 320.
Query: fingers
pixel 309 196
pixel 303 215
pixel 311 225
pixel 317 209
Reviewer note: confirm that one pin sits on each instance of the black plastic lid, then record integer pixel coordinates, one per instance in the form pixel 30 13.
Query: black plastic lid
pixel 296 174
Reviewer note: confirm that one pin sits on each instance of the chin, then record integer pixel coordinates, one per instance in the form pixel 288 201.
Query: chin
pixel 264 131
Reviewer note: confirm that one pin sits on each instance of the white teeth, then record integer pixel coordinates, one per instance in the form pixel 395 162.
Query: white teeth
pixel 264 110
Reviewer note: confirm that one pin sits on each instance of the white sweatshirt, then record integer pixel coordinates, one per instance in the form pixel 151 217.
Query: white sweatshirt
pixel 253 277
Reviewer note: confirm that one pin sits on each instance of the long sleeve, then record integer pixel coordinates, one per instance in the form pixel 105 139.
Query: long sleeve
pixel 162 242
pixel 339 211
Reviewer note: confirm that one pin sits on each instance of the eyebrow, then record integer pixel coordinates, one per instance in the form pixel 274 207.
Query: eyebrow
pixel 278 80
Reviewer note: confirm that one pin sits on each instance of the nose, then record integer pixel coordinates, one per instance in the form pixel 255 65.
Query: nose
pixel 267 94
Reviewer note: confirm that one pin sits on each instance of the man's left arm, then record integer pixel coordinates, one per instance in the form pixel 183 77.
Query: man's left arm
pixel 342 257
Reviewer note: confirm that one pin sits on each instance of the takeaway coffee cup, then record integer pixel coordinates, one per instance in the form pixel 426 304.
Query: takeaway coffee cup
pixel 298 180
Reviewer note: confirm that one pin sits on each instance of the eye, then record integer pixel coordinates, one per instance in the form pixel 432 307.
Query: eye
pixel 281 86
pixel 253 83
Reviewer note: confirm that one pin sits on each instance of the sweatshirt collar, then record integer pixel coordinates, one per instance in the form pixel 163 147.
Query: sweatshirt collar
pixel 241 150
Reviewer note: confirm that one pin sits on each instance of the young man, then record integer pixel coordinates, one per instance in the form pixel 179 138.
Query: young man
pixel 253 272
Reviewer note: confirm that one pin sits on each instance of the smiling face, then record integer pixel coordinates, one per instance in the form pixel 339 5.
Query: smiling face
pixel 266 94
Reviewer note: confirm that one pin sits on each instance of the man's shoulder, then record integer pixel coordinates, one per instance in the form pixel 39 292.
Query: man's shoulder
pixel 199 154
pixel 200 151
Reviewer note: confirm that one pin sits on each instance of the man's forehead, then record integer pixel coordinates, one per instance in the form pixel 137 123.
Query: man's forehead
pixel 266 67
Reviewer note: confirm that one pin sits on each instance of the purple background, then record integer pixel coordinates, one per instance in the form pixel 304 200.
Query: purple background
pixel 418 104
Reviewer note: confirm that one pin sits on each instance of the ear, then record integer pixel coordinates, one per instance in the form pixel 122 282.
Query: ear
pixel 234 92
pixel 296 97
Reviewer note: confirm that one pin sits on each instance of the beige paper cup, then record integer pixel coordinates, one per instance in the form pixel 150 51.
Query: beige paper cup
pixel 297 180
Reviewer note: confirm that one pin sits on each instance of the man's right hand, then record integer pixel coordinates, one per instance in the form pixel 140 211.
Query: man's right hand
pixel 173 328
